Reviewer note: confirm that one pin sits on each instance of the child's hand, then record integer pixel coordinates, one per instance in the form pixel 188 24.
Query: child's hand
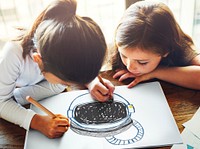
pixel 51 127
pixel 139 79
pixel 99 91
pixel 123 74
pixel 144 77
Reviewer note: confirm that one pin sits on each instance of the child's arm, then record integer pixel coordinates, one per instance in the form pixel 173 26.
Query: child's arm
pixel 10 63
pixel 188 76
pixel 183 76
pixel 99 91
pixel 15 113
pixel 38 91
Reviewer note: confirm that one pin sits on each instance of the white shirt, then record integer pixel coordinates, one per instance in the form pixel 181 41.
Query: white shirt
pixel 21 77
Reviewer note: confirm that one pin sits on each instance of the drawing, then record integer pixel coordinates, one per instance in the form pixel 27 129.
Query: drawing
pixel 104 119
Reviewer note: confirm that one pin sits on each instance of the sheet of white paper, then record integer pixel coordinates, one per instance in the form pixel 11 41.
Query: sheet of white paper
pixel 193 124
pixel 147 115
pixel 188 139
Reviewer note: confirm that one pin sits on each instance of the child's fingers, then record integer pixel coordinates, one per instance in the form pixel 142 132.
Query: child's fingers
pixel 126 76
pixel 99 96
pixel 62 122
pixel 110 87
pixel 61 129
pixel 58 129
pixel 107 90
pixel 119 73
pixel 139 79
pixel 134 83
pixel 61 116
pixel 102 89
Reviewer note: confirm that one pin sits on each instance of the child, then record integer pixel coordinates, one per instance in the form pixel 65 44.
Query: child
pixel 150 44
pixel 61 48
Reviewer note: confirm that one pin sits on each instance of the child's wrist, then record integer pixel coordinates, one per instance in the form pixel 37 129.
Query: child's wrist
pixel 158 72
pixel 34 122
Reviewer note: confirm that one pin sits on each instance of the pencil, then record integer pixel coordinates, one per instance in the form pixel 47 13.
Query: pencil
pixel 101 80
pixel 37 104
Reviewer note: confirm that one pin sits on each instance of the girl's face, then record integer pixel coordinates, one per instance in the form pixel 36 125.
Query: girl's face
pixel 139 61
pixel 54 79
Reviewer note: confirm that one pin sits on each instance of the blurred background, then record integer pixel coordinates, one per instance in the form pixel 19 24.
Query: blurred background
pixel 22 13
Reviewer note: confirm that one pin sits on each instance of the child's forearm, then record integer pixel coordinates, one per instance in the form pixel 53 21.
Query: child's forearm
pixel 35 122
pixel 188 76
pixel 14 113
pixel 38 91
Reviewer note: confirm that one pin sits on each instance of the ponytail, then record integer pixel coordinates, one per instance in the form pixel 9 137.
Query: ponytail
pixel 58 10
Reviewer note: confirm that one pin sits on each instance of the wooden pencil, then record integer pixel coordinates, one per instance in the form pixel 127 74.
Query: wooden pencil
pixel 37 104
pixel 101 80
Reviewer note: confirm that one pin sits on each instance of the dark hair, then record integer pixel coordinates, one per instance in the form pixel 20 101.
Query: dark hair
pixel 71 47
pixel 151 26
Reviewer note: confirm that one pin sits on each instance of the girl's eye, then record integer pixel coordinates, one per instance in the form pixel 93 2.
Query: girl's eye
pixel 143 63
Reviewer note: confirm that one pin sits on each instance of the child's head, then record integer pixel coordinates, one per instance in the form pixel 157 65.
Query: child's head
pixel 71 47
pixel 147 33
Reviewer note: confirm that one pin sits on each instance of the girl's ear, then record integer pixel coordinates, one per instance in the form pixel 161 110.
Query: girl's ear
pixel 38 59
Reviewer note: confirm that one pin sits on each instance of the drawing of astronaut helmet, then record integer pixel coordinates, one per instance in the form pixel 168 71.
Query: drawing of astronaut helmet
pixel 103 119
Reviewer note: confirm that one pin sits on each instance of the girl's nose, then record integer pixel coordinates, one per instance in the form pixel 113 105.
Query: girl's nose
pixel 131 65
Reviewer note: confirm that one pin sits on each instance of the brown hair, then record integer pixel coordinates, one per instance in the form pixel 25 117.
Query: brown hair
pixel 71 47
pixel 151 26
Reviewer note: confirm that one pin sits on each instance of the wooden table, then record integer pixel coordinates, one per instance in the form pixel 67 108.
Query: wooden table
pixel 183 103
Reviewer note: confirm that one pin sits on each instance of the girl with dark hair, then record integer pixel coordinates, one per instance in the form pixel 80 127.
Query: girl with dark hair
pixel 150 44
pixel 61 48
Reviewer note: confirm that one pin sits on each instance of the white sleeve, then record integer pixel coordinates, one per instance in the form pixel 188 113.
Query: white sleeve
pixel 10 70
pixel 11 61
pixel 10 66
pixel 38 91
pixel 15 113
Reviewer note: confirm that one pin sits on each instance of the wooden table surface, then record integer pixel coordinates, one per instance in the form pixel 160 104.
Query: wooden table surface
pixel 183 103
